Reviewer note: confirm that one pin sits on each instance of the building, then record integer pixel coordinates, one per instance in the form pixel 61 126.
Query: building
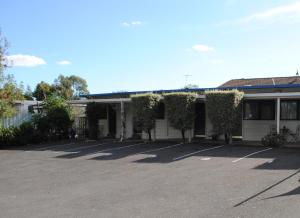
pixel 21 115
pixel 269 105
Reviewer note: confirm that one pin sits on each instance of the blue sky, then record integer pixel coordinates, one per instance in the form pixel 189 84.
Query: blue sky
pixel 151 44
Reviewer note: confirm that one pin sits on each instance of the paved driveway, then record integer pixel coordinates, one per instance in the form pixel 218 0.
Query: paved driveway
pixel 137 179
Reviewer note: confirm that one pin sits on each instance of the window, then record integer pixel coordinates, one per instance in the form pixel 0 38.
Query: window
pixel 289 110
pixel 251 110
pixel 160 114
pixel 259 110
pixel 267 110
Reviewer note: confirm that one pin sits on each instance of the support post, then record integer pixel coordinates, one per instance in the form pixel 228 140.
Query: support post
pixel 123 122
pixel 278 116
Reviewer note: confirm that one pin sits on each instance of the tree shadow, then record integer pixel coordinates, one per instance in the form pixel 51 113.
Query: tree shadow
pixel 268 188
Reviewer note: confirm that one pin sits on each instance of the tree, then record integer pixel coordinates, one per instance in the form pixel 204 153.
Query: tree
pixel 70 87
pixel 144 108
pixel 191 86
pixel 55 119
pixel 180 109
pixel 42 91
pixel 28 95
pixel 9 90
pixel 224 111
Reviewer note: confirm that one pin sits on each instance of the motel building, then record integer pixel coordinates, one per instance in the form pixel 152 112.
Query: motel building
pixel 269 105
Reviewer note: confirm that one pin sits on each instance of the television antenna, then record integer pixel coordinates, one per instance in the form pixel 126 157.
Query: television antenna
pixel 186 76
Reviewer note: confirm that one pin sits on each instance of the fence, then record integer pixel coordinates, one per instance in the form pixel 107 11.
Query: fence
pixel 16 120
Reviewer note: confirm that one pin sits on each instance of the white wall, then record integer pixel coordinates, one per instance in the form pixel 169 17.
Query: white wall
pixel 254 130
pixel 103 127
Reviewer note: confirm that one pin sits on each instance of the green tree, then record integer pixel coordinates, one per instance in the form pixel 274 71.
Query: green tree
pixel 28 95
pixel 144 108
pixel 224 109
pixel 191 86
pixel 42 91
pixel 9 90
pixel 55 119
pixel 180 109
pixel 70 87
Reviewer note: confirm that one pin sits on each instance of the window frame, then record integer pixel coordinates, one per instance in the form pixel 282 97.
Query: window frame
pixel 297 110
pixel 259 109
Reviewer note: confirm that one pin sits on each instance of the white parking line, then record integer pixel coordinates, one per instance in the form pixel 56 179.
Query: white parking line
pixel 53 146
pixel 234 161
pixel 86 146
pixel 158 149
pixel 113 149
pixel 196 152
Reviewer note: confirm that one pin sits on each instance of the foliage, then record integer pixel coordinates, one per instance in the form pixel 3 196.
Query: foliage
pixel 274 140
pixel 144 108
pixel 180 108
pixel 70 87
pixel 28 95
pixel 191 86
pixel 58 115
pixel 21 135
pixel 9 90
pixel 93 113
pixel 42 91
pixel 224 111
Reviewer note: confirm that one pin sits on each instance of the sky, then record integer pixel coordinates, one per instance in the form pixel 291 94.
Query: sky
pixel 132 45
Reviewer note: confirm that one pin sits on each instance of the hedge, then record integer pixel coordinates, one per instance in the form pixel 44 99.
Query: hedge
pixel 180 107
pixel 144 107
pixel 224 111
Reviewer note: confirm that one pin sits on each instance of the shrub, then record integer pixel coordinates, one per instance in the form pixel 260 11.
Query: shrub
pixel 144 108
pixel 181 110
pixel 13 136
pixel 274 140
pixel 224 109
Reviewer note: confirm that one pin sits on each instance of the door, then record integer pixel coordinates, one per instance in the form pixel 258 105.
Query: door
pixel 112 121
pixel 199 129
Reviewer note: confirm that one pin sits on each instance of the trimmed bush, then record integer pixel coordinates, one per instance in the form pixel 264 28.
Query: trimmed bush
pixel 224 109
pixel 144 107
pixel 274 140
pixel 180 109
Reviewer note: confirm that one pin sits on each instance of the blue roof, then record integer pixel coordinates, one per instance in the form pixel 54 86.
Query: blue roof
pixel 284 86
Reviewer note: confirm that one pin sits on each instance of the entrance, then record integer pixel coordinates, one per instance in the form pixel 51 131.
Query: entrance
pixel 199 129
pixel 112 121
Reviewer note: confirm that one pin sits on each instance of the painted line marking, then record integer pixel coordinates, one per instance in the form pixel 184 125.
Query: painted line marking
pixel 205 158
pixel 196 152
pixel 114 149
pixel 158 149
pixel 85 146
pixel 52 146
pixel 234 161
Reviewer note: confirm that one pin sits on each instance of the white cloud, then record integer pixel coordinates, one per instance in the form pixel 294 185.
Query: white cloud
pixel 281 12
pixel 64 62
pixel 202 48
pixel 21 60
pixel 132 23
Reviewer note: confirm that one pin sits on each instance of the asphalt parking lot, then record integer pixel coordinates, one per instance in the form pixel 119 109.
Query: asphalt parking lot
pixel 143 179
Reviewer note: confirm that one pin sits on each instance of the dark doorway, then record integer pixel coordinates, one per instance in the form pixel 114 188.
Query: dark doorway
pixel 112 120
pixel 199 130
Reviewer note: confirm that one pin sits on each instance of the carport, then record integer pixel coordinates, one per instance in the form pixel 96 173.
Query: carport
pixel 113 108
